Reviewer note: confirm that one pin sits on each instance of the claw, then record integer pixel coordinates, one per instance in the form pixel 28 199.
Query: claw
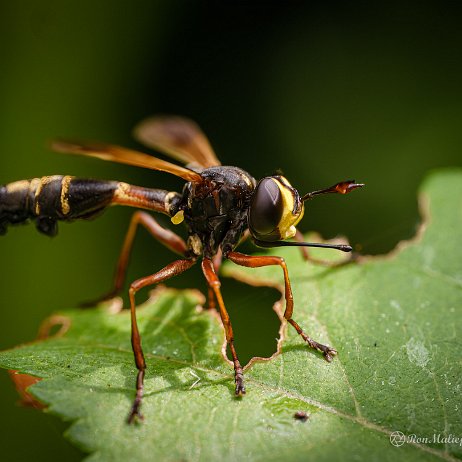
pixel 327 351
pixel 135 414
pixel 329 354
pixel 240 388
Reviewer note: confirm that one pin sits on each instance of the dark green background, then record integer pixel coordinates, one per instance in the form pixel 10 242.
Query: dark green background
pixel 324 92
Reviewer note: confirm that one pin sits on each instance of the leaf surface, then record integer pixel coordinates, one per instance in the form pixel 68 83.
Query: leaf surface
pixel 395 321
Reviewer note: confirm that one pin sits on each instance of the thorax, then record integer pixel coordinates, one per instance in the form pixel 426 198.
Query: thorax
pixel 215 211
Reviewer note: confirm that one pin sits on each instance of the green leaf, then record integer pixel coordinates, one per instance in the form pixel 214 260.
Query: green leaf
pixel 395 321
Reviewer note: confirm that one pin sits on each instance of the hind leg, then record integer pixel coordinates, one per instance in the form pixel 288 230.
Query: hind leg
pixel 166 237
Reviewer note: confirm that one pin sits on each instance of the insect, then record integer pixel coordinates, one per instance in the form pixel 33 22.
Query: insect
pixel 301 415
pixel 220 206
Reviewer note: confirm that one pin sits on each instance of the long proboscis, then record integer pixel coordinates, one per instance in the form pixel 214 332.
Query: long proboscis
pixel 341 247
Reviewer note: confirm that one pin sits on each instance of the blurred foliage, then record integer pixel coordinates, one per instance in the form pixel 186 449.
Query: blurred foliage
pixel 323 91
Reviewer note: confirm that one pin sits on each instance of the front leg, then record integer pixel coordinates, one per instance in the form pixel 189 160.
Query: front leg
pixel 250 261
pixel 214 283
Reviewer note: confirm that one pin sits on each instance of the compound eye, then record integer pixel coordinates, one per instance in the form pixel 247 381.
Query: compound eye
pixel 266 208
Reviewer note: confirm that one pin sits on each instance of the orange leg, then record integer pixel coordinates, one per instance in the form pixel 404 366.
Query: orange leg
pixel 173 269
pixel 211 299
pixel 258 261
pixel 163 235
pixel 216 260
pixel 214 283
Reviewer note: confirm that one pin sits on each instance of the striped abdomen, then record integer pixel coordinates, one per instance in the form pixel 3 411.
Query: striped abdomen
pixel 51 198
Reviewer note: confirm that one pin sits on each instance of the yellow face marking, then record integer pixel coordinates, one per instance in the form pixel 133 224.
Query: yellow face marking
pixel 178 217
pixel 64 199
pixel 288 220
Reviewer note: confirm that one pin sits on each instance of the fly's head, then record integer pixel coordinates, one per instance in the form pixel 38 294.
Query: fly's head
pixel 275 210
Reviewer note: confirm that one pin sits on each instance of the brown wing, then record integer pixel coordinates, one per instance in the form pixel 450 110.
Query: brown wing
pixel 178 137
pixel 123 156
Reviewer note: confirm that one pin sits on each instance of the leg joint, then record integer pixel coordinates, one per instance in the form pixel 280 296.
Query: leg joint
pixel 215 284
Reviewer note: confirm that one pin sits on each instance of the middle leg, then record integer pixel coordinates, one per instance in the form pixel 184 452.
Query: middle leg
pixel 173 269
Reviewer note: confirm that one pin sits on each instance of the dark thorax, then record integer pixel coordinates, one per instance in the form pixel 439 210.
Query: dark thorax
pixel 215 211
